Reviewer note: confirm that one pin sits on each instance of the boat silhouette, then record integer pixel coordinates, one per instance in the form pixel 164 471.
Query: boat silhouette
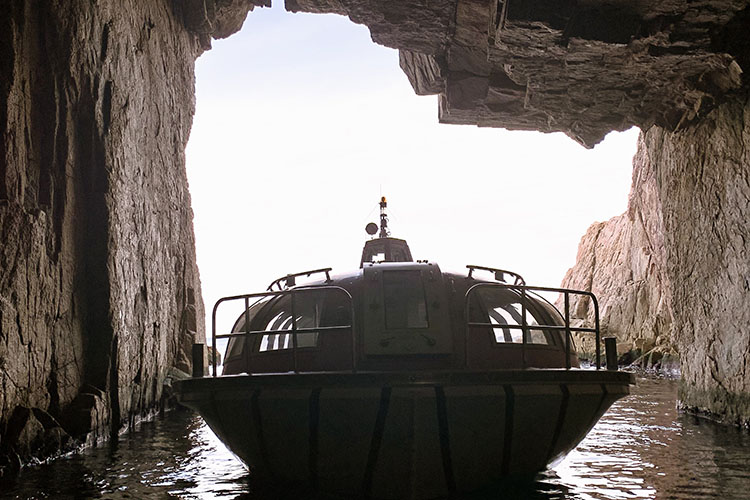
pixel 400 380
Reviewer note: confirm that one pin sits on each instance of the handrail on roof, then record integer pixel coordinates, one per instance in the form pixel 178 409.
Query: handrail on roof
pixel 522 291
pixel 499 274
pixel 289 279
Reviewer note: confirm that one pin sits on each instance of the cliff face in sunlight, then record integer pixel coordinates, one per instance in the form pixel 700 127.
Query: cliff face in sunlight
pixel 99 290
pixel 623 262
pixel 673 273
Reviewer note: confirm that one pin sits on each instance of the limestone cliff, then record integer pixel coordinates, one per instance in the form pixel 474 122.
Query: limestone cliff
pixel 622 261
pixel 99 290
pixel 675 269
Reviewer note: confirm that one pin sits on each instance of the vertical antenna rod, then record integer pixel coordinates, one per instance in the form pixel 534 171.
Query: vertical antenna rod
pixel 384 233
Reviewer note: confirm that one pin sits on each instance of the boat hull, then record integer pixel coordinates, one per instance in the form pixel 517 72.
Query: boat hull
pixel 403 435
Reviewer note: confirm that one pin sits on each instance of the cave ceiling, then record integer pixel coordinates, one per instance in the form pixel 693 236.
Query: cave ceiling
pixel 582 67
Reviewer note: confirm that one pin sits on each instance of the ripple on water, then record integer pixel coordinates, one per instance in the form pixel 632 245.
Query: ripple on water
pixel 641 449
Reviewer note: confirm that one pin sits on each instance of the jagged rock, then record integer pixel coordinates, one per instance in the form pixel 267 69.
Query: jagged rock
pixel 30 433
pixel 622 261
pixel 674 271
pixel 97 264
pixel 583 68
pixel 87 417
pixel 704 187
pixel 24 434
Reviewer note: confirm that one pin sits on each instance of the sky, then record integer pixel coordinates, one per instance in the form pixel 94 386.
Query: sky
pixel 302 123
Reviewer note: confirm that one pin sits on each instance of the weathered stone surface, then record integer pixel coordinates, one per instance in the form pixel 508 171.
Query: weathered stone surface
pixel 584 68
pixel 675 269
pixel 215 18
pixel 588 68
pixel 622 261
pixel 88 416
pixel 24 433
pixel 30 433
pixel 423 26
pixel 99 290
pixel 704 185
pixel 591 67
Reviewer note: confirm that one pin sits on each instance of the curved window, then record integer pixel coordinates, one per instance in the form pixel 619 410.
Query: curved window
pixel 312 309
pixel 237 344
pixel 502 307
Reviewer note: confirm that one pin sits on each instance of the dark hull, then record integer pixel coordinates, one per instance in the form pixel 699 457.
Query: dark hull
pixel 403 435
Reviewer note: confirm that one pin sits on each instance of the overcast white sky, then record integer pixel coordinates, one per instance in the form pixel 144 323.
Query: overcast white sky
pixel 302 121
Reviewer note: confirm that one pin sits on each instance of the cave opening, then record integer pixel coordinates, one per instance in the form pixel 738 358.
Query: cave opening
pixel 302 122
pixel 288 156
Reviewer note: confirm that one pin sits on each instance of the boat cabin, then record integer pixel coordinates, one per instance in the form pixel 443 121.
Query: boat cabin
pixel 394 314
pixel 455 380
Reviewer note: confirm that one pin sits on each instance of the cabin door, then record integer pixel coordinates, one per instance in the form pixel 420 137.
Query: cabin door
pixel 405 311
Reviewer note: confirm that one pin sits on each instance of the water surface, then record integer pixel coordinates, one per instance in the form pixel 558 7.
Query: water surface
pixel 641 449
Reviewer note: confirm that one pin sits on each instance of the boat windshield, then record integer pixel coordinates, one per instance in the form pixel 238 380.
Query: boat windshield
pixel 405 305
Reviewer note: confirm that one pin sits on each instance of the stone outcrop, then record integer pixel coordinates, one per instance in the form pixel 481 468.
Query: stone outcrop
pixel 583 68
pixel 703 174
pixel 99 290
pixel 623 262
pixel 674 271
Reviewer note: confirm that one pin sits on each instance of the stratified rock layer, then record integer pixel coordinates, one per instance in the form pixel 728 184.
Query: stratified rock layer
pixel 583 68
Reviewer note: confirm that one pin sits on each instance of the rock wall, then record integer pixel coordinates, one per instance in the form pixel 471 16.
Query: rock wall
pixel 622 261
pixel 583 68
pixel 674 271
pixel 703 176
pixel 99 290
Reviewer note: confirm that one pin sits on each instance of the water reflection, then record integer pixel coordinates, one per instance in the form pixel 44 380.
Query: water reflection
pixel 642 448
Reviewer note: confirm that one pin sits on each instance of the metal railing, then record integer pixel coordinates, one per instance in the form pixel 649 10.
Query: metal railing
pixel 294 331
pixel 499 274
pixel 290 279
pixel 525 328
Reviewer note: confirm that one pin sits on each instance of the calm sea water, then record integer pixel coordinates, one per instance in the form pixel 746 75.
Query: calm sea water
pixel 642 448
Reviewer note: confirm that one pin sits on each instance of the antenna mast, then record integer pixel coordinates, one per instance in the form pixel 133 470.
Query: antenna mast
pixel 384 233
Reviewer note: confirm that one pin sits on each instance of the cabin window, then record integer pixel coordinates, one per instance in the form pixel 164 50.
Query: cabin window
pixel 237 344
pixel 405 305
pixel 312 309
pixel 378 257
pixel 502 307
pixel 307 313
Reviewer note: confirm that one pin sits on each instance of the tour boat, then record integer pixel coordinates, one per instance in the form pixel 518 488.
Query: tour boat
pixel 400 380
